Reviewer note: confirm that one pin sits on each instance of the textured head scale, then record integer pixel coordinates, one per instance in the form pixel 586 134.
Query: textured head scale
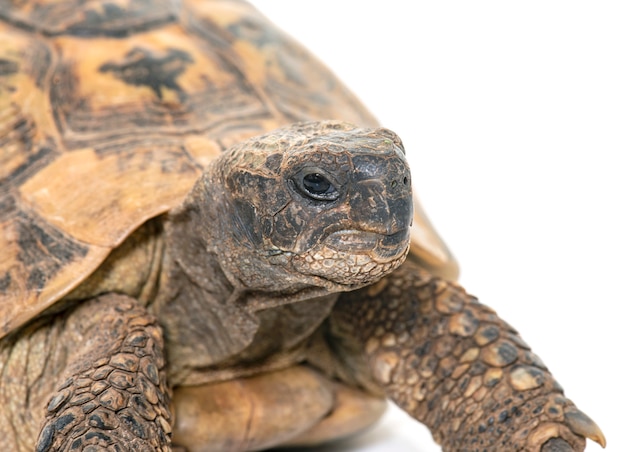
pixel 325 200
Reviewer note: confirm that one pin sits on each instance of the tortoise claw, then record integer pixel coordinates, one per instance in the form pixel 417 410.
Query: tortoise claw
pixel 583 425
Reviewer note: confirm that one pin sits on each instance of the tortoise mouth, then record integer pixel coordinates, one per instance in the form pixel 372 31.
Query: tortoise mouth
pixel 381 247
pixel 350 258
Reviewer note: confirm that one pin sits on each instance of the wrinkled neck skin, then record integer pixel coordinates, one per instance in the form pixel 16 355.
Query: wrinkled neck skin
pixel 216 284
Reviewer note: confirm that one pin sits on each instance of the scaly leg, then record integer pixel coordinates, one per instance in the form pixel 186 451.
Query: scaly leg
pixel 454 365
pixel 112 394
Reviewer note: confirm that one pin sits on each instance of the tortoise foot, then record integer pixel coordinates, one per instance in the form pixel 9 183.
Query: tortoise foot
pixel 114 396
pixel 453 364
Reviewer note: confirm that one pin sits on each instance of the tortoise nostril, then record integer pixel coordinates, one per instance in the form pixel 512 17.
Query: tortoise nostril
pixel 405 181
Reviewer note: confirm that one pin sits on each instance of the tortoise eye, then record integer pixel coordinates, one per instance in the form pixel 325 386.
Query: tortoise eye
pixel 318 187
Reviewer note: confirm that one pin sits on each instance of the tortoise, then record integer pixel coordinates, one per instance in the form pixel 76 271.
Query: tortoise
pixel 208 243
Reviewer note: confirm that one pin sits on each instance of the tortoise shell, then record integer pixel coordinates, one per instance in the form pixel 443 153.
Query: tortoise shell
pixel 110 110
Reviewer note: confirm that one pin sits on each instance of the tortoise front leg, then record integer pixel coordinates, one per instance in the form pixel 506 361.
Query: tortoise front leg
pixel 112 394
pixel 454 365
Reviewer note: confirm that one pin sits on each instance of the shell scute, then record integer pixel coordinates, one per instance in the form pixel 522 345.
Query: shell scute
pixel 110 110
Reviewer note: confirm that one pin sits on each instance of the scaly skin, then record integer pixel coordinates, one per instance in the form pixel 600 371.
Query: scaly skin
pixel 454 365
pixel 113 393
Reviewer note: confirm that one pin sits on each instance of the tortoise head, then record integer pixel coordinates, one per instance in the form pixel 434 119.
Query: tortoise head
pixel 325 204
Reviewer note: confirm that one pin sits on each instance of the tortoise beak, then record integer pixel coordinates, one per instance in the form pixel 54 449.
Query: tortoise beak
pixel 382 247
pixel 377 206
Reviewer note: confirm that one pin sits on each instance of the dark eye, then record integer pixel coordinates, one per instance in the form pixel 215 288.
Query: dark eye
pixel 317 186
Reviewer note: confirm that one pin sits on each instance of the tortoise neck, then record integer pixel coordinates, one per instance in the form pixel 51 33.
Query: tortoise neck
pixel 209 315
pixel 191 255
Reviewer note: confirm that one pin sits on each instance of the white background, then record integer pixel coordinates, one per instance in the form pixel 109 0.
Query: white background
pixel 514 117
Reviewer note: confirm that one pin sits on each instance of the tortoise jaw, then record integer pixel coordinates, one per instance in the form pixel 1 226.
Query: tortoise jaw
pixel 381 247
pixel 352 240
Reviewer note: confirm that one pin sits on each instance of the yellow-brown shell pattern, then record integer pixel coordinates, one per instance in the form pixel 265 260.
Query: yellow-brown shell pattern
pixel 109 110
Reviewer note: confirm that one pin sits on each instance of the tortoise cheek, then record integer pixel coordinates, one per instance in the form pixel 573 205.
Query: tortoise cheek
pixel 288 226
pixel 246 226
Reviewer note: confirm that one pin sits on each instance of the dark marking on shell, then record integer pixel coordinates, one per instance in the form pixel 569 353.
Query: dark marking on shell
pixel 33 163
pixel 37 241
pixel 95 19
pixel 221 43
pixel 5 282
pixel 112 20
pixel 8 67
pixel 142 67
pixel 23 128
pixel 40 57
pixel 252 31
pixel 61 95
pixel 36 279
pixel 263 37
pixel 207 29
pixel 36 236
pixel 215 107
